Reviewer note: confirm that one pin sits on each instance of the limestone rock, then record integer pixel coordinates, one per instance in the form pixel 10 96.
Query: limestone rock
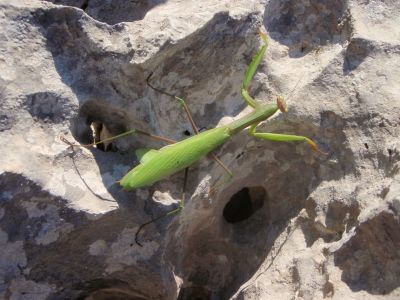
pixel 290 224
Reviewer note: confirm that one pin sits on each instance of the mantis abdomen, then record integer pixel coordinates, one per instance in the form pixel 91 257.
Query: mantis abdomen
pixel 158 164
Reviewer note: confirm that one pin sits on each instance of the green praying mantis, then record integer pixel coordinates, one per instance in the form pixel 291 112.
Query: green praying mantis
pixel 156 165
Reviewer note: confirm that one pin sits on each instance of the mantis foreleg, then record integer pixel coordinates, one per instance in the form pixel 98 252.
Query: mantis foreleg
pixel 278 137
pixel 251 70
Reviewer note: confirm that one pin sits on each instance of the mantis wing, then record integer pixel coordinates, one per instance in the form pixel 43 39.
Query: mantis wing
pixel 145 154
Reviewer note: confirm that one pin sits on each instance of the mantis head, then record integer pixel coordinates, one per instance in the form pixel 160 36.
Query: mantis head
pixel 281 104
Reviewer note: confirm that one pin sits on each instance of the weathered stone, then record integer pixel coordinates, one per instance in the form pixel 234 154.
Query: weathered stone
pixel 290 224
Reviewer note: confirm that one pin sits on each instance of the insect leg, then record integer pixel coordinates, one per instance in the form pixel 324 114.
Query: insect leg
pixel 196 130
pixel 170 213
pixel 278 137
pixel 181 101
pixel 190 118
pixel 133 131
pixel 251 70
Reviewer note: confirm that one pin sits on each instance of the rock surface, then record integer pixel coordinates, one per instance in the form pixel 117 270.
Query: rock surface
pixel 291 223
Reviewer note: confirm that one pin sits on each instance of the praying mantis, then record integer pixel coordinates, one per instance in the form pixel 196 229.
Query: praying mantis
pixel 156 165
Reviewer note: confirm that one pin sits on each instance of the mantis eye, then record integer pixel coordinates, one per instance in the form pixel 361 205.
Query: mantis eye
pixel 281 104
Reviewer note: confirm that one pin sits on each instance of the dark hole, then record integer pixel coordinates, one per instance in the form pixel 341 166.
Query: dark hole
pixel 244 204
pixel 98 120
pixel 85 5
pixel 366 146
pixel 303 48
pixel 194 293
pixel 390 151
pixel 187 133
pixel 239 155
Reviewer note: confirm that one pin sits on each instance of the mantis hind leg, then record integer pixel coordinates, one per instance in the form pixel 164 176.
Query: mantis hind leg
pixel 167 214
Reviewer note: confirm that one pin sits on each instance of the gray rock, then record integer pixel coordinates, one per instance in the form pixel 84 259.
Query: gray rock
pixel 290 224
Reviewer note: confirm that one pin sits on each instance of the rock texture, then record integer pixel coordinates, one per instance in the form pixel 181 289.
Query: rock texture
pixel 292 224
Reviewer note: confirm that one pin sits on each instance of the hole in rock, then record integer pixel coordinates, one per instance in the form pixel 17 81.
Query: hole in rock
pixel 85 5
pixel 187 133
pixel 239 155
pixel 244 204
pixel 194 293
pixel 98 121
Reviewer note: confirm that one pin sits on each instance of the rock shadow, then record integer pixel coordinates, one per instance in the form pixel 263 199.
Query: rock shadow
pixel 113 92
pixel 305 26
pixel 222 241
pixel 370 259
pixel 74 251
pixel 113 12
pixel 355 53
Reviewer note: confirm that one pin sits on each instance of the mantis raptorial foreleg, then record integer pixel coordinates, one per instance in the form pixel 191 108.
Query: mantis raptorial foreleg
pixel 278 137
pixel 251 70
pixel 281 103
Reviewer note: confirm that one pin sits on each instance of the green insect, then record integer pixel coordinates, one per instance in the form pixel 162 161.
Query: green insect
pixel 159 164
pixel 156 165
